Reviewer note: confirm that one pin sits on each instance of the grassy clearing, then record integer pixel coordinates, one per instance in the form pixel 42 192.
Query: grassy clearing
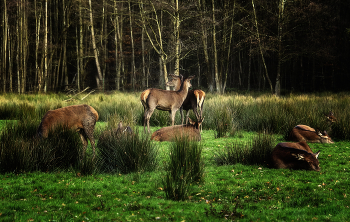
pixel 241 191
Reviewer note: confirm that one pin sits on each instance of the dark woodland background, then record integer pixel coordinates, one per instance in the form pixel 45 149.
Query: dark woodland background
pixel 279 46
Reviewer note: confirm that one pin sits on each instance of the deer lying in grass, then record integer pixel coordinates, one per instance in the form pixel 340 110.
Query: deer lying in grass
pixel 295 156
pixel 165 100
pixel 170 133
pixel 81 118
pixel 194 100
pixel 308 134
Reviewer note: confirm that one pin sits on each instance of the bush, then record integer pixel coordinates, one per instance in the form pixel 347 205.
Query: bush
pixel 127 153
pixel 258 151
pixel 185 166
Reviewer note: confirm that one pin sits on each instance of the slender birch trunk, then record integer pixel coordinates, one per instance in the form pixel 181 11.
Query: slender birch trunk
pixel 280 50
pixel 159 42
pixel 177 38
pixel 99 77
pixel 260 47
pixel 216 72
pixel 4 48
pixel 133 71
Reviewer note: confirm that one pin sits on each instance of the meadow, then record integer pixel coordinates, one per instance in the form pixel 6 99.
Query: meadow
pixel 247 189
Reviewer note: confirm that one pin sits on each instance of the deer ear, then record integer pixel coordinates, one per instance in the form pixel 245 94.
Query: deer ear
pixel 316 154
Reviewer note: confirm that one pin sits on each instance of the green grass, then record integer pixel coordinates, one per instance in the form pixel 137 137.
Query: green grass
pixel 240 192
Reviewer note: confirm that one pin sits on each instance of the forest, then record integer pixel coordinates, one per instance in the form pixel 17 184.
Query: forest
pixel 278 46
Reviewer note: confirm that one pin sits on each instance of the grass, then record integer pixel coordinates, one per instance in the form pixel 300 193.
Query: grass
pixel 240 191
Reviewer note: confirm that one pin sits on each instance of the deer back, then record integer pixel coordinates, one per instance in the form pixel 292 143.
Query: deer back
pixel 170 133
pixel 73 117
pixel 308 134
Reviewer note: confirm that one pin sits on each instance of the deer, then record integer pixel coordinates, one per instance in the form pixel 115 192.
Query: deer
pixel 194 100
pixel 306 133
pixel 299 155
pixel 165 100
pixel 80 118
pixel 170 133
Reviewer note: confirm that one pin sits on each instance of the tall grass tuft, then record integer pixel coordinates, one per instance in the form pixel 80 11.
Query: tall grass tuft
pixel 258 151
pixel 127 153
pixel 185 167
pixel 22 151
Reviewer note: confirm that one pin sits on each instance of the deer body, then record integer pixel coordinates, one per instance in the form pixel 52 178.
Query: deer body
pixel 170 133
pixel 81 118
pixel 194 100
pixel 295 156
pixel 305 133
pixel 165 100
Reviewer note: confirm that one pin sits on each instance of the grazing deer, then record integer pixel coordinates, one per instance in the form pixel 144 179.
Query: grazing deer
pixel 194 100
pixel 81 118
pixel 308 134
pixel 170 133
pixel 295 156
pixel 116 133
pixel 165 100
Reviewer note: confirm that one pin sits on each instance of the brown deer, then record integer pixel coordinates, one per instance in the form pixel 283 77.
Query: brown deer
pixel 170 133
pixel 295 156
pixel 165 100
pixel 194 100
pixel 81 118
pixel 116 133
pixel 305 133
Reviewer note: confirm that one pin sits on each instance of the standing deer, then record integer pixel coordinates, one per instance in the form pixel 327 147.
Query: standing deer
pixel 165 100
pixel 305 133
pixel 81 118
pixel 170 133
pixel 295 156
pixel 194 100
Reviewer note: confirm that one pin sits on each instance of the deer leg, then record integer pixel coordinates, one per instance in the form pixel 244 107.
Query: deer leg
pixel 148 117
pixel 145 120
pixel 89 134
pixel 182 115
pixel 173 112
pixel 84 141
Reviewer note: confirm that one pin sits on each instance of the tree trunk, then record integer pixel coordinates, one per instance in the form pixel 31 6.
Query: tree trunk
pixel 133 71
pixel 159 40
pixel 280 49
pixel 4 48
pixel 216 72
pixel 260 47
pixel 99 76
pixel 177 38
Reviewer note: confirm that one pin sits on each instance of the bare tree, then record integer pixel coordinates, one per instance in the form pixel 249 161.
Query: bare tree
pixel 99 73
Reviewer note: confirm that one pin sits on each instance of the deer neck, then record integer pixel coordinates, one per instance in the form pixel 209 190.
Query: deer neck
pixel 183 89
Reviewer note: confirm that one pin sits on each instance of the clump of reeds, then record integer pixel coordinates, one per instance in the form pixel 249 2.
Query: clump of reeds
pixel 185 167
pixel 258 151
pixel 127 153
